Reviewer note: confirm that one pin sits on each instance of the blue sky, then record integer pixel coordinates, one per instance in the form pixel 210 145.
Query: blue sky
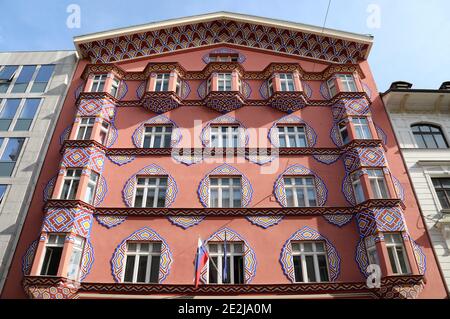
pixel 411 43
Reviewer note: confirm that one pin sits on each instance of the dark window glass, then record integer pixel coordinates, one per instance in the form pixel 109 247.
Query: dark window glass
pixel 298 269
pixel 154 272
pixel 310 268
pixel 8 112
pixel 42 78
pixel 51 261
pixel 2 192
pixel 27 114
pixel 212 271
pixel 10 156
pixel 24 78
pixel 442 188
pixel 323 268
pixel 238 269
pixel 429 136
pixel 129 268
pixel 6 76
pixel 142 269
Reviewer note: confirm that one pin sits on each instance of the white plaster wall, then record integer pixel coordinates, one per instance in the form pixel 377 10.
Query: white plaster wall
pixel 421 174
pixel 23 180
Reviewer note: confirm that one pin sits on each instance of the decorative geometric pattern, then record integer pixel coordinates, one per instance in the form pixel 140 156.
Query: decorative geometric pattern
pixel 144 234
pixel 138 135
pixel 224 102
pixel 48 190
pixel 88 157
pixel 420 256
pixel 206 58
pixel 385 219
pixel 264 90
pixel 68 220
pixel 110 221
pixel 307 89
pixel 350 106
pixel 188 156
pixel 53 292
pixel 185 221
pixel 361 257
pixel 335 135
pixel 327 159
pixel 260 159
pixel 398 188
pixel 102 189
pixel 309 234
pixel 364 157
pixel 347 189
pixel 225 169
pixel 265 221
pixel 381 134
pixel 101 107
pixel 141 90
pixel 27 259
pixel 249 254
pixel 151 170
pixel 224 120
pixel 185 89
pixel 201 90
pixel 87 260
pixel 123 90
pixel 112 135
pixel 311 135
pixel 338 220
pixel 65 135
pixel 294 170
pixel 324 91
pixel 223 30
pixel 121 159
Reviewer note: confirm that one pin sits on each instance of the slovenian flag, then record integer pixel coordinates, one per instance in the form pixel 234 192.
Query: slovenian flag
pixel 200 262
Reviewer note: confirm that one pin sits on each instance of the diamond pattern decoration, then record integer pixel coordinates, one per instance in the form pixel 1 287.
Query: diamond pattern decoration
pixel 68 220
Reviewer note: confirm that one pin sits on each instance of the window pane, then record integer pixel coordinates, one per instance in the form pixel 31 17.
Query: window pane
pixel 23 79
pixel 214 198
pixel 402 260
pixel 42 78
pixel 12 150
pixel 429 141
pixel 2 192
pixel 138 200
pixel 8 112
pixel 51 261
pixel 7 73
pixel 150 197
pixel 154 271
pixel 392 259
pixel 297 269
pixel 300 197
pixel 162 197
pixel 238 262
pixel 310 268
pixel 129 269
pixel 323 269
pixel 212 270
pixel 142 269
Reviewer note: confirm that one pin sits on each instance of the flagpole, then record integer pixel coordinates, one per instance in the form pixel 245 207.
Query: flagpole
pixel 214 264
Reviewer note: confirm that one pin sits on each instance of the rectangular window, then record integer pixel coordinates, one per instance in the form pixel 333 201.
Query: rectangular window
pixel 42 78
pixel 208 85
pixel 310 262
pixel 347 82
pixel 104 131
pixel 224 82
pixel 442 189
pixel 286 82
pixel 371 249
pixel 8 113
pixel 397 253
pixel 162 82
pixel 361 128
pixel 344 132
pixel 378 183
pixel 85 128
pixel 225 192
pixel 300 191
pixel 70 184
pixel 114 87
pixel 24 78
pixel 234 260
pixel 157 137
pixel 2 191
pixel 292 136
pixel 6 76
pixel 52 257
pixel 357 189
pixel 10 155
pixel 270 86
pixel 142 262
pixel 150 192
pixel 98 84
pixel 27 115
pixel 332 87
pixel 224 136
pixel 91 188
pixel 73 270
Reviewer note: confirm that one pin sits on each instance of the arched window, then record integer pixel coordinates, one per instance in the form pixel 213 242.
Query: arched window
pixel 429 136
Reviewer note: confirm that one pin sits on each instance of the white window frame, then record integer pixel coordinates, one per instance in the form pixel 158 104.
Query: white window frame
pixel 379 181
pixel 59 242
pixel 157 187
pixel 356 181
pixel 270 86
pixel 153 134
pixel 97 81
pixel 223 79
pixel 364 128
pixel 137 254
pixel 104 128
pixel 298 134
pixel 348 82
pixel 232 131
pixel 73 270
pixel 91 188
pixel 371 250
pixel 85 123
pixel 331 85
pixel 178 87
pixel 220 187
pixel 393 247
pixel 303 186
pixel 115 83
pixel 286 81
pixel 232 252
pixel 72 178
pixel 314 253
pixel 160 81
pixel 342 126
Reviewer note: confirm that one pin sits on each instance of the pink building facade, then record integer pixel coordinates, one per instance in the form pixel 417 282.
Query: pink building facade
pixel 266 139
